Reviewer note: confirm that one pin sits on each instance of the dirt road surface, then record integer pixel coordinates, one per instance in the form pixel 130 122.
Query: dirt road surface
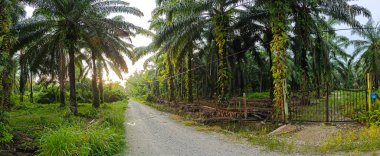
pixel 153 133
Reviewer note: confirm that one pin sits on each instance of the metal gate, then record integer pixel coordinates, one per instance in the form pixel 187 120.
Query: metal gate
pixel 324 105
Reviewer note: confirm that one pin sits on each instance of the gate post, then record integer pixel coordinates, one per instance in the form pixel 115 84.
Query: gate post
pixel 327 102
pixel 286 109
pixel 369 101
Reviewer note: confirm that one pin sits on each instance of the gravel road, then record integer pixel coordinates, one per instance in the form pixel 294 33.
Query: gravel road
pixel 153 133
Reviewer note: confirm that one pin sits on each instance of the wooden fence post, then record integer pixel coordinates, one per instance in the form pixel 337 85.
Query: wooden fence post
pixel 369 100
pixel 245 106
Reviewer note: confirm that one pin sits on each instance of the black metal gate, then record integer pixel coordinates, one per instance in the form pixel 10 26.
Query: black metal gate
pixel 325 105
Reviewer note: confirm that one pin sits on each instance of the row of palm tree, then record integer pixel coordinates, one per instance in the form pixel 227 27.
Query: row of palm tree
pixel 251 41
pixel 65 38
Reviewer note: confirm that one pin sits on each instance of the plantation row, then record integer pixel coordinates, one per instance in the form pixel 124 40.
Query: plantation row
pixel 222 49
pixel 59 57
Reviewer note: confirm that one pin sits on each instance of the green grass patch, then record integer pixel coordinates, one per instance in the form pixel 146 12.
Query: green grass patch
pixel 54 131
pixel 257 95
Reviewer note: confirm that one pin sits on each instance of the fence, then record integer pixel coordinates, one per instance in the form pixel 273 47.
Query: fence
pixel 326 105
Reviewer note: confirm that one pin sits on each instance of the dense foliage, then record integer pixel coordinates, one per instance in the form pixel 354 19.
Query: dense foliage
pixel 61 54
pixel 231 47
pixel 211 49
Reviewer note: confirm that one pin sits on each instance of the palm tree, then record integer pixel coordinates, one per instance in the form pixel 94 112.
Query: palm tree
pixel 368 49
pixel 308 22
pixel 74 23
pixel 279 25
pixel 201 17
pixel 11 12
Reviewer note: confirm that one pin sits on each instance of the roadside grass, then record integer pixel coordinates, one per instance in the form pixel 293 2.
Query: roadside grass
pixel 54 131
pixel 366 139
pixel 270 143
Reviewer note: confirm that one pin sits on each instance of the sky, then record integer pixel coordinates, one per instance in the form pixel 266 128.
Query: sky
pixel 147 6
pixel 371 5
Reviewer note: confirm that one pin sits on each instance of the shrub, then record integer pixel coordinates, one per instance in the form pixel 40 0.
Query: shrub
pixel 114 92
pixel 90 113
pixel 5 129
pixel 84 91
pixel 5 133
pixel 102 141
pixel 151 98
pixel 369 118
pixel 47 94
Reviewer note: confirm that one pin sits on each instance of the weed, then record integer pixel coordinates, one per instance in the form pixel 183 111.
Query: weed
pixel 189 123
pixel 56 132
pixel 209 128
pixel 364 140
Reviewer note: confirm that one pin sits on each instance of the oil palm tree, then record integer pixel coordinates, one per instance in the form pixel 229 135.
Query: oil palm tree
pixel 307 16
pixel 11 11
pixel 368 49
pixel 72 23
pixel 205 16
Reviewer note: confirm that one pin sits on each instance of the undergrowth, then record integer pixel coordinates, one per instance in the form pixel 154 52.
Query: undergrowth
pixel 54 131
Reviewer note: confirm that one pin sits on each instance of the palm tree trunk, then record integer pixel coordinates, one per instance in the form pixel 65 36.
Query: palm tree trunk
pixel 73 100
pixel 278 48
pixel 375 76
pixel 7 87
pixel 101 90
pixel 23 77
pixel 171 81
pixel 190 77
pixel 95 90
pixel 62 77
pixel 222 68
pixel 269 37
pixel 5 49
pixel 101 87
pixel 31 86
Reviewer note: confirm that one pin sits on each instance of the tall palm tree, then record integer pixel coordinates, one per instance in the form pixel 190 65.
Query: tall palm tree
pixel 11 12
pixel 194 16
pixel 307 16
pixel 73 23
pixel 368 49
